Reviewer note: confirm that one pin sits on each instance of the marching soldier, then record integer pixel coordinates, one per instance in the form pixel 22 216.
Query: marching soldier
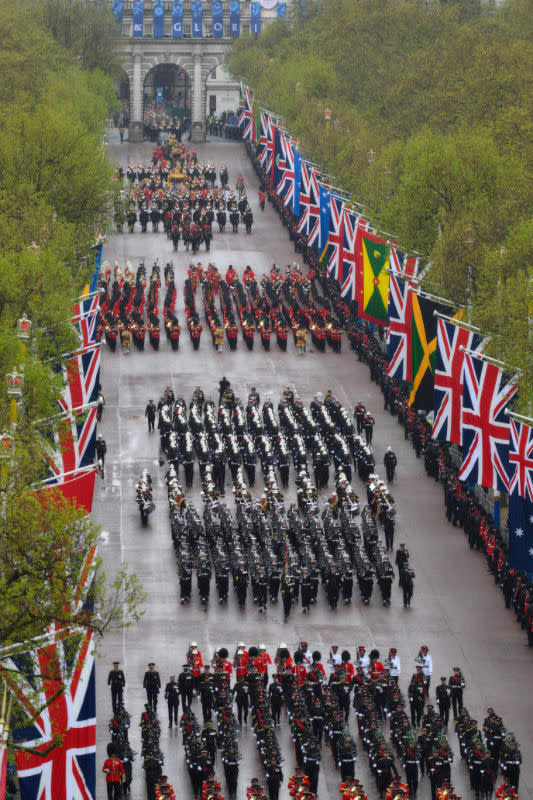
pixel 173 700
pixel 390 461
pixel 456 684
pixel 152 684
pixel 117 682
pixel 443 695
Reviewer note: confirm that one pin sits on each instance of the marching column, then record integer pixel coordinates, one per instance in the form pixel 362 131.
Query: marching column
pixel 198 111
pixel 135 131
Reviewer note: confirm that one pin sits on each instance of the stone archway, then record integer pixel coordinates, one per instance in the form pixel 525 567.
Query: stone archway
pixel 222 95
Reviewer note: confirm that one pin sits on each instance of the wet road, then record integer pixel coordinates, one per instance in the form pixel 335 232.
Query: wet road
pixel 456 609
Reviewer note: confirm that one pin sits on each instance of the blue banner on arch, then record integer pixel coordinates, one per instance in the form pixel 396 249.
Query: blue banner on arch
pixel 234 18
pixel 218 22
pixel 177 19
pixel 255 18
pixel 159 19
pixel 197 9
pixel 118 10
pixel 281 10
pixel 138 18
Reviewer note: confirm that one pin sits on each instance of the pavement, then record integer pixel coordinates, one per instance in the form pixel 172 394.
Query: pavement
pixel 457 611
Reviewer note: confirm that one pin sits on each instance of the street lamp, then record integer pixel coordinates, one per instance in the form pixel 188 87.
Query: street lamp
pixel 15 384
pixel 470 237
pixel 327 114
pixel 370 156
pixel 24 328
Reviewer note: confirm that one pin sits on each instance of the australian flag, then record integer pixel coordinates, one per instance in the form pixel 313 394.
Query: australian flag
pixel 520 533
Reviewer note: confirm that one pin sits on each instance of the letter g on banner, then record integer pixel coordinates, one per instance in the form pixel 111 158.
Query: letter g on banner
pixel 177 19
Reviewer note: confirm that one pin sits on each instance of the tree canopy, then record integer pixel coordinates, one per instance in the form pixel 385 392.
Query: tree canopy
pixel 431 132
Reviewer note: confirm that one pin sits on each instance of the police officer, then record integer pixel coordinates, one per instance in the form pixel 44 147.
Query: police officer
pixel 173 700
pixel 390 461
pixel 101 449
pixel 150 415
pixel 117 682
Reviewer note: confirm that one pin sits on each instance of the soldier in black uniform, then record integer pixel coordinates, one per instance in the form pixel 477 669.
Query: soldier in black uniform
pixel 385 579
pixel 206 693
pixel 117 681
pixel 172 697
pixel 275 692
pixel 152 684
pixel 359 413
pixel 402 557
pixel 186 687
pixel 240 693
pixel 443 694
pixel 407 584
pixel 456 684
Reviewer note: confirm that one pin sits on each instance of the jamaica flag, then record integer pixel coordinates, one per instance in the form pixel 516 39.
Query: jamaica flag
pixel 373 261
pixel 423 349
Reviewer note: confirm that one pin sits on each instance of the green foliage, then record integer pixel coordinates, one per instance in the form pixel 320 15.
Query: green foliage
pixel 56 59
pixel 431 132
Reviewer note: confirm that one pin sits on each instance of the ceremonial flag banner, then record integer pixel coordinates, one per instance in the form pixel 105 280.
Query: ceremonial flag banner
pixel 85 319
pixel 177 19
pixel 373 263
pixel 246 119
pixel 278 165
pixel 332 252
pixel 118 11
pixel 485 429
pixel 521 460
pixel 310 204
pixel 218 25
pixel 452 341
pixel 138 18
pixel 399 327
pixel 353 228
pixel 55 687
pixel 197 9
pixel 325 213
pixel 159 19
pixel 82 376
pixel 263 138
pixel 297 182
pixel 281 10
pixel 235 18
pixel 421 369
pixel 520 533
pixel 77 487
pixel 255 18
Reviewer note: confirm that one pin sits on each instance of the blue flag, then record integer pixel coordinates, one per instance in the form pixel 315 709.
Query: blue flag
pixel 325 214
pixel 218 25
pixel 234 18
pixel 159 19
pixel 520 533
pixel 159 94
pixel 96 274
pixel 177 19
pixel 297 181
pixel 138 18
pixel 279 160
pixel 281 10
pixel 255 18
pixel 197 19
pixel 118 10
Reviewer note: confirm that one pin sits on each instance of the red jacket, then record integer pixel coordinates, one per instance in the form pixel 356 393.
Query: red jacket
pixel 114 770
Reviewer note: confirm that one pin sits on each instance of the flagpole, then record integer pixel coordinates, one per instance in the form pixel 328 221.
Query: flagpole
pixel 529 420
pixel 495 361
pixel 64 414
pixel 86 296
pixel 466 325
pixel 89 468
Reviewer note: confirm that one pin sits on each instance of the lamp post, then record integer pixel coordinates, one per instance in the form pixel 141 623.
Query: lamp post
pixel 469 241
pixel 327 115
pixel 15 384
pixel 6 444
pixel 370 156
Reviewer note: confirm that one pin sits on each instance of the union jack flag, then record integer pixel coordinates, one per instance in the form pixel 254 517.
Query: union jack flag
pixel 521 460
pixel 76 440
pixel 285 185
pixel 82 375
pixel 85 319
pixel 55 686
pixel 452 341
pixel 270 146
pixel 246 119
pixel 310 202
pixel 485 430
pixel 399 327
pixel 353 226
pixel 264 126
pixel 335 243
